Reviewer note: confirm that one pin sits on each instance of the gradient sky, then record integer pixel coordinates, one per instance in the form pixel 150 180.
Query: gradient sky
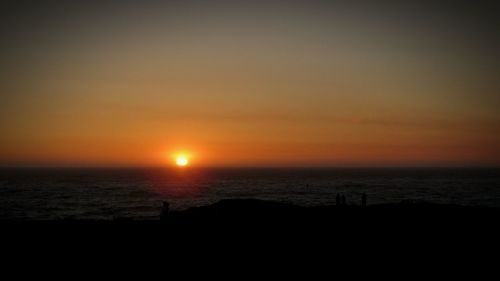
pixel 250 83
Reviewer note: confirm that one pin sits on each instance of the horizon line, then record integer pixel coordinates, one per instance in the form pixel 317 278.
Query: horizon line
pixel 494 166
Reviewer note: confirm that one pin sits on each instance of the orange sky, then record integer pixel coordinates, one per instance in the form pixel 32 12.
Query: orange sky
pixel 294 88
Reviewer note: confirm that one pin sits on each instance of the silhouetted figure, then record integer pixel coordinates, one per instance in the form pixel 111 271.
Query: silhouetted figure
pixel 164 210
pixel 344 201
pixel 337 200
pixel 363 199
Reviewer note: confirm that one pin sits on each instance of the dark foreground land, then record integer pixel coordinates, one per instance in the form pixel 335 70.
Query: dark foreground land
pixel 246 221
pixel 259 213
pixel 271 232
pixel 253 214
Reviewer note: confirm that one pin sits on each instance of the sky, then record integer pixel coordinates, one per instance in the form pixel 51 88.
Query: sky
pixel 250 83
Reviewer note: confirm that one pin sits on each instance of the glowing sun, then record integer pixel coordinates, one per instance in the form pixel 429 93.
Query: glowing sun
pixel 181 161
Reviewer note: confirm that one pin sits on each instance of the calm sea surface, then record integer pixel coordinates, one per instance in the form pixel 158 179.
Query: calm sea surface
pixel 138 193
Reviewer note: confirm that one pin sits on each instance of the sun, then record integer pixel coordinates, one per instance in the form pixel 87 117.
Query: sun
pixel 181 161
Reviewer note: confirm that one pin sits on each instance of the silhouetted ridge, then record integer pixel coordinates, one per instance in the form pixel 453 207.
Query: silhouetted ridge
pixel 253 212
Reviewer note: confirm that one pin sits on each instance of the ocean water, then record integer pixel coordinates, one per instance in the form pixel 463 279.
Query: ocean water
pixel 137 193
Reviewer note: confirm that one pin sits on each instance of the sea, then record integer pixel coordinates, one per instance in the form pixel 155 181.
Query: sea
pixel 138 193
